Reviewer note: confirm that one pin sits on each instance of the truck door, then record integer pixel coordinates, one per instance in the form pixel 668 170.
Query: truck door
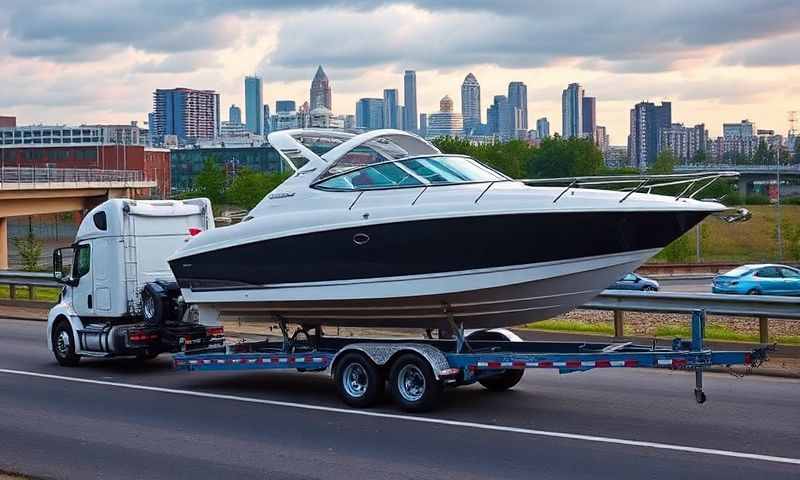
pixel 102 270
pixel 82 274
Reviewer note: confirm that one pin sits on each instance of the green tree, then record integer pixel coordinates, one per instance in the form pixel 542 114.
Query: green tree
pixel 700 157
pixel 210 182
pixel 249 187
pixel 559 157
pixel 762 154
pixel 30 249
pixel 679 251
pixel 664 164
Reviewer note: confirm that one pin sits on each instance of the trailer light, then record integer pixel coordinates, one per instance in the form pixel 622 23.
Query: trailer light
pixel 194 231
pixel 215 331
pixel 140 336
pixel 447 372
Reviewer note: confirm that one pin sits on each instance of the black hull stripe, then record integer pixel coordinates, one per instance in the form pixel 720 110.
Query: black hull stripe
pixel 432 246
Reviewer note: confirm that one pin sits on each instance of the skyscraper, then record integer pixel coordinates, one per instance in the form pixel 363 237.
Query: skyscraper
pixel 543 128
pixel 493 114
pixel 445 122
pixel 234 115
pixel 571 111
pixel 589 114
pixel 647 120
pixel 267 124
pixel 390 108
pixel 254 105
pixel 320 93
pixel 186 113
pixel 369 113
pixel 518 98
pixel 285 106
pixel 471 104
pixel 423 125
pixel 410 100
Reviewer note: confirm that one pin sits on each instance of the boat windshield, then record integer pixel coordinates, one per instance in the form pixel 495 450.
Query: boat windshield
pixel 412 172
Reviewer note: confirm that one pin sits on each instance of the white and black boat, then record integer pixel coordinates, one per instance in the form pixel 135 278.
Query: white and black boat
pixel 381 228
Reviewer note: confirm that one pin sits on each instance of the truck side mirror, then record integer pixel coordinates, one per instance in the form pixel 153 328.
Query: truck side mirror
pixel 61 272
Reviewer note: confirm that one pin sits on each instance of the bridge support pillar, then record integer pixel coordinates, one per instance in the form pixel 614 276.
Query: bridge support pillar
pixel 742 188
pixel 3 243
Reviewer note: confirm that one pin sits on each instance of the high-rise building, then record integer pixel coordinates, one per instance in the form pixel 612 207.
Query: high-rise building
pixel 254 105
pixel 423 125
pixel 589 116
pixel 471 104
pixel 410 100
pixel 571 111
pixel 647 120
pixel 401 117
pixel 267 122
pixel 285 106
pixel 320 93
pixel 518 98
pixel 234 115
pixel 369 113
pixel 188 114
pixel 601 138
pixel 390 111
pixel 492 115
pixel 543 128
pixel 445 122
pixel 743 129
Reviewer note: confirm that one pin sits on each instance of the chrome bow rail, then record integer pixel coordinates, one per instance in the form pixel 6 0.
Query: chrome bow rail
pixel 629 184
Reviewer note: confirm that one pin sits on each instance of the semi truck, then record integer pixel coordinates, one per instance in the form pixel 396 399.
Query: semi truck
pixel 120 299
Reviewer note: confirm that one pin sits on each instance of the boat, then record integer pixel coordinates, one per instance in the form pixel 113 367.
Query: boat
pixel 382 229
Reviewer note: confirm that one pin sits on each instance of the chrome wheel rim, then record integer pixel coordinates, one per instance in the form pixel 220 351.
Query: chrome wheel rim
pixel 355 380
pixel 149 307
pixel 62 343
pixel 411 383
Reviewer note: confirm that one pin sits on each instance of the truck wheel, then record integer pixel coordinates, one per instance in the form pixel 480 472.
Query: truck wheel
pixel 152 308
pixel 503 381
pixel 64 345
pixel 358 380
pixel 413 385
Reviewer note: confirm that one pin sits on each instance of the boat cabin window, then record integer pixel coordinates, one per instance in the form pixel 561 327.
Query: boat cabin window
pixel 450 169
pixel 384 175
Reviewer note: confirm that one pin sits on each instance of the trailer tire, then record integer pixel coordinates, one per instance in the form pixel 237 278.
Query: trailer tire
pixel 503 381
pixel 413 385
pixel 152 306
pixel 64 345
pixel 358 380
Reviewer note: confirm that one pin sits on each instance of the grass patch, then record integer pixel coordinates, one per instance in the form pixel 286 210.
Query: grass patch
pixel 562 325
pixel 42 294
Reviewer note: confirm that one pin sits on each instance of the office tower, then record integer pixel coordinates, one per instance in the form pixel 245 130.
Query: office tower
pixel 234 115
pixel 589 116
pixel 571 111
pixel 320 93
pixel 254 105
pixel 445 122
pixel 410 100
pixel 390 108
pixel 471 104
pixel 601 138
pixel 518 98
pixel 285 106
pixel 266 117
pixel 188 114
pixel 743 129
pixel 423 125
pixel 369 113
pixel 542 128
pixel 646 122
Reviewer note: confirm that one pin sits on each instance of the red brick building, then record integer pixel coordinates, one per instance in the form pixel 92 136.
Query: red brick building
pixel 8 122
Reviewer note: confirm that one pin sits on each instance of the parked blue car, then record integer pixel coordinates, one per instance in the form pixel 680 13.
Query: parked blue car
pixel 633 281
pixel 764 279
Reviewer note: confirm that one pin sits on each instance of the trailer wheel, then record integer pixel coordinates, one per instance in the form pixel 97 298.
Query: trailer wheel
pixel 152 307
pixel 503 381
pixel 64 345
pixel 413 384
pixel 358 380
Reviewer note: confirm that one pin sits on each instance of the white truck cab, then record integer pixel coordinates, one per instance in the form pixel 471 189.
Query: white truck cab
pixel 119 295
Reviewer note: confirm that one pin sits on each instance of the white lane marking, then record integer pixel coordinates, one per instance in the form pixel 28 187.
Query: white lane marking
pixel 437 421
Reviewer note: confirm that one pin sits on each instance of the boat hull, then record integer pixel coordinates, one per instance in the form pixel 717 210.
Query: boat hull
pixel 478 299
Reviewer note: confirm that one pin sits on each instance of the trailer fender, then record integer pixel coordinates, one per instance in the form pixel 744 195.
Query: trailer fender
pixel 382 354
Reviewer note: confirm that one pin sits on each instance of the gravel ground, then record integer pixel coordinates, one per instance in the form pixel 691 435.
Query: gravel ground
pixel 644 324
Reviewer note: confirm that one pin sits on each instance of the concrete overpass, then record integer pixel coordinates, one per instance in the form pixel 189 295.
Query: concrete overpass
pixel 30 191
pixel 749 173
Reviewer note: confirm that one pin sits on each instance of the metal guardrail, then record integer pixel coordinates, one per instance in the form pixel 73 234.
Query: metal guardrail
pixel 785 167
pixel 751 306
pixel 39 176
pixel 28 281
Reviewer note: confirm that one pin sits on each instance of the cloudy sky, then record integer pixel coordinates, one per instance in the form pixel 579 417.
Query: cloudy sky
pixel 99 60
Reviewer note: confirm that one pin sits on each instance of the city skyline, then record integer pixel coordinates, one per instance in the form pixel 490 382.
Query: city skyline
pixel 713 72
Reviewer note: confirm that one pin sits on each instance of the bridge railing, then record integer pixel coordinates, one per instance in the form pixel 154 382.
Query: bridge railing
pixel 10 176
pixel 789 168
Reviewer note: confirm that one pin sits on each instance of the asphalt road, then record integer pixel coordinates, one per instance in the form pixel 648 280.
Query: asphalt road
pixel 693 285
pixel 119 419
